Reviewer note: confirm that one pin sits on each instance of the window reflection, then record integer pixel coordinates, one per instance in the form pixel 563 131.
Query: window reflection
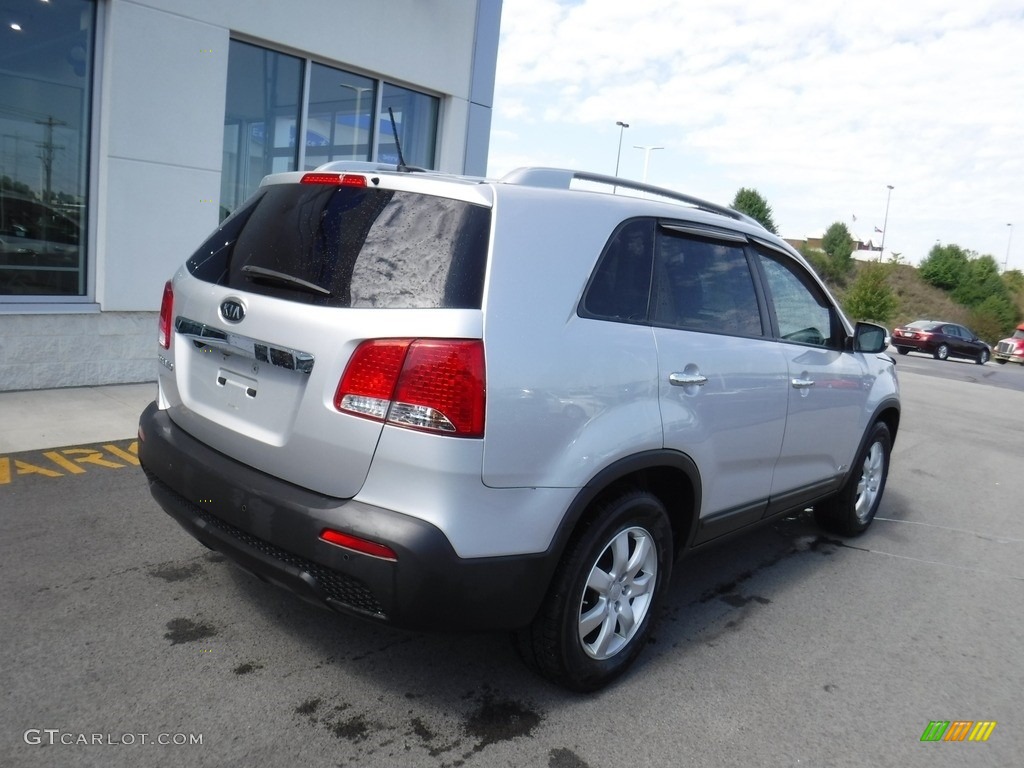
pixel 45 95
pixel 340 116
pixel 415 117
pixel 260 119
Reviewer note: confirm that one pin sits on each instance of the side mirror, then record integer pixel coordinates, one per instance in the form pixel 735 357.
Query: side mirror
pixel 870 338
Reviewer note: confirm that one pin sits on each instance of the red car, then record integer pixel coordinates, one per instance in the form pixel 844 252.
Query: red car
pixel 941 340
pixel 1011 349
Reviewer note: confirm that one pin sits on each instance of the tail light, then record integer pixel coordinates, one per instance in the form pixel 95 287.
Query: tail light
pixel 433 385
pixel 166 311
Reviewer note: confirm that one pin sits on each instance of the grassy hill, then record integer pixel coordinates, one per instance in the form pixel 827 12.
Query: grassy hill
pixel 918 300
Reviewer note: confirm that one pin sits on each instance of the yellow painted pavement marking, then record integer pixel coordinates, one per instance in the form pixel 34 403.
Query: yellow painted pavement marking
pixel 74 460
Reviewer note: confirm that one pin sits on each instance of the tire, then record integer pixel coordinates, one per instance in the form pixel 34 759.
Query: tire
pixel 605 595
pixel 982 357
pixel 1000 361
pixel 942 352
pixel 903 350
pixel 852 509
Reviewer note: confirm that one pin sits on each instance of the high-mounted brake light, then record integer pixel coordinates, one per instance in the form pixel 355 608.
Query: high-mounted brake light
pixel 432 385
pixel 339 179
pixel 356 544
pixel 166 310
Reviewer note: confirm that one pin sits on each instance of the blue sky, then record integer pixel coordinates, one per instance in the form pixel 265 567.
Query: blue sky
pixel 818 107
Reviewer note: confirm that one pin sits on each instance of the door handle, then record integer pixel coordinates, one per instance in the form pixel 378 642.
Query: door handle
pixel 687 379
pixel 802 383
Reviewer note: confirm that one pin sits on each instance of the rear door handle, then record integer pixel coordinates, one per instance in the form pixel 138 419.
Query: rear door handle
pixel 687 379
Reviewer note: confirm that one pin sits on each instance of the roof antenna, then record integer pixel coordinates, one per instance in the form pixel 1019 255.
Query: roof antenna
pixel 394 130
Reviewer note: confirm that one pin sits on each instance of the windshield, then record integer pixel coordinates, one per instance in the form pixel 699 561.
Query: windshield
pixel 351 247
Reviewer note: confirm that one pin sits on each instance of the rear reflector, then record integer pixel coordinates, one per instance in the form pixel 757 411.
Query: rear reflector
pixel 339 179
pixel 433 385
pixel 356 544
pixel 166 310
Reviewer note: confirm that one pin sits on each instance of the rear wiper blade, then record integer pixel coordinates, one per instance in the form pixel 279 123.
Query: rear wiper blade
pixel 288 281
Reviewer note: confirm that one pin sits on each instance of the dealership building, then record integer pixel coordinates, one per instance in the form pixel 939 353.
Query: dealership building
pixel 130 128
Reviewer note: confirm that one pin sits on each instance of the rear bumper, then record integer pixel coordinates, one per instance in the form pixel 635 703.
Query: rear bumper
pixel 271 528
pixel 914 345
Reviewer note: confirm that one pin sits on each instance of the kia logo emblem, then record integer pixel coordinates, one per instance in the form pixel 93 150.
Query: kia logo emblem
pixel 232 310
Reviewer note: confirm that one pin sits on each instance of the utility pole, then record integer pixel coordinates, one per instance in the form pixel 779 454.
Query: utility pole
pixel 46 149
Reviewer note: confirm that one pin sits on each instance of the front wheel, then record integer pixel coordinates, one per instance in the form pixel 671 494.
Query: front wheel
pixel 942 352
pixel 604 597
pixel 982 357
pixel 851 511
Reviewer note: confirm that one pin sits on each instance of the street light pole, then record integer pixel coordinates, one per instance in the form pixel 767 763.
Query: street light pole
pixel 647 157
pixel 1006 261
pixel 622 126
pixel 885 223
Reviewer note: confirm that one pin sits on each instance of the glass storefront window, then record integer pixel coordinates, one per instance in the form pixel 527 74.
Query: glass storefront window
pixel 340 116
pixel 260 120
pixel 415 117
pixel 265 113
pixel 45 106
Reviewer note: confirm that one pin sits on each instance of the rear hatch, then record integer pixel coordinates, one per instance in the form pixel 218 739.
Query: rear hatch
pixel 267 313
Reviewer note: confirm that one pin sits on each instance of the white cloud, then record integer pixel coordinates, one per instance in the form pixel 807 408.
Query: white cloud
pixel 819 107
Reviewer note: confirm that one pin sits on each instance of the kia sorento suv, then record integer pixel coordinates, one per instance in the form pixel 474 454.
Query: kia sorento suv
pixel 452 403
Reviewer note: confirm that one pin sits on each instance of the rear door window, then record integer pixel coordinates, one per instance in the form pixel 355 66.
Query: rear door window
pixel 351 247
pixel 703 284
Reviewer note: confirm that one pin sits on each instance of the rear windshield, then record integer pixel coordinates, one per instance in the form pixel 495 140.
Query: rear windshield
pixel 351 247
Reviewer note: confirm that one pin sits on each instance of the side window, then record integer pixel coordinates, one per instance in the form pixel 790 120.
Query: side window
pixel 621 285
pixel 703 285
pixel 803 313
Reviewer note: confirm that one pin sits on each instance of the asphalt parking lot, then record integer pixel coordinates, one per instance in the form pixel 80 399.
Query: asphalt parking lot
pixel 125 643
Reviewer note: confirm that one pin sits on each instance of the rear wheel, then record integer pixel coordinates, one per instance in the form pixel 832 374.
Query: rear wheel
pixel 851 511
pixel 604 597
pixel 942 352
pixel 982 357
pixel 903 350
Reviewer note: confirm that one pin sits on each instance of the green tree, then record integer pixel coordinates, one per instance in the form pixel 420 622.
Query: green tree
pixel 750 202
pixel 994 318
pixel 871 297
pixel 980 282
pixel 838 247
pixel 1014 280
pixel 945 266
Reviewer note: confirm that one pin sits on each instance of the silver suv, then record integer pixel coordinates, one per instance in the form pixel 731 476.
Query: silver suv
pixel 452 403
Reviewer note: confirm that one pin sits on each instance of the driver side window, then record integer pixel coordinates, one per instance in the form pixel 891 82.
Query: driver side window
pixel 804 315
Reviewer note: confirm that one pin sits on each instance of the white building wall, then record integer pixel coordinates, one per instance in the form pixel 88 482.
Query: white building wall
pixel 163 124
pixel 160 102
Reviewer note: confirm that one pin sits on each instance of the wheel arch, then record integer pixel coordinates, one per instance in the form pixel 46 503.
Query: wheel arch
pixel 670 475
pixel 887 412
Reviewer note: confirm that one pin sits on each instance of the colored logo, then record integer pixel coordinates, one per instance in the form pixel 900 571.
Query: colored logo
pixel 958 730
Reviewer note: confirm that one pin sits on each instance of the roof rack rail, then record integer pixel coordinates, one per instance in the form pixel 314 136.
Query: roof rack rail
pixel 362 166
pixel 562 178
